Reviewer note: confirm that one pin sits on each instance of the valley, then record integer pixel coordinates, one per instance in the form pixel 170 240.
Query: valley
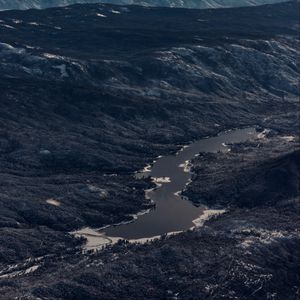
pixel 89 97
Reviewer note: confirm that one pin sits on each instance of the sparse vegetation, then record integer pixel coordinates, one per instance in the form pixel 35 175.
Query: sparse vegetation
pixel 139 85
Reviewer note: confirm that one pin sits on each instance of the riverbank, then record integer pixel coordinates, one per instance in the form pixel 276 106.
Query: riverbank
pixel 172 213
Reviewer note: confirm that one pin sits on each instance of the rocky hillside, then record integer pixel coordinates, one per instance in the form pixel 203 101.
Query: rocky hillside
pixel 267 183
pixel 97 90
pixel 92 93
pixel 250 252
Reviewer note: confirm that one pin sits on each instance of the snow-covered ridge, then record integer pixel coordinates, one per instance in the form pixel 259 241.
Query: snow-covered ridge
pixel 192 68
pixel 40 4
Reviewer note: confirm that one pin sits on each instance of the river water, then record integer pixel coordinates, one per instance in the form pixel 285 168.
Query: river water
pixel 172 213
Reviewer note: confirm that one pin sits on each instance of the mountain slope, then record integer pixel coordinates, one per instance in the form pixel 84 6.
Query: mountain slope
pixel 84 96
pixel 92 93
pixel 40 4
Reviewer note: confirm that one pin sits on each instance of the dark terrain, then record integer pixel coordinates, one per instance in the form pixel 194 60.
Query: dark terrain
pixel 200 4
pixel 250 252
pixel 86 100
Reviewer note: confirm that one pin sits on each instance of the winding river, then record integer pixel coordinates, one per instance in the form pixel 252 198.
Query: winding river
pixel 172 213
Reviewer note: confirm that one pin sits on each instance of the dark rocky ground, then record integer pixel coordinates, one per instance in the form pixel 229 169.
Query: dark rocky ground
pixel 233 181
pixel 87 100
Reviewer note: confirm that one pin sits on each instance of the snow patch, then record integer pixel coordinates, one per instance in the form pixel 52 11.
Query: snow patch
pixel 103 193
pixel 17 21
pixel 7 26
pixel 19 273
pixel 289 138
pixel 101 15
pixel 53 202
pixel 34 24
pixel 206 215
pixel 186 166
pixel 263 134
pixel 52 56
pixel 94 239
pixel 262 236
pixel 161 179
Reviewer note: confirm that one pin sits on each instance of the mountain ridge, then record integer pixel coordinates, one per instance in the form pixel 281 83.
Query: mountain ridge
pixel 195 4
